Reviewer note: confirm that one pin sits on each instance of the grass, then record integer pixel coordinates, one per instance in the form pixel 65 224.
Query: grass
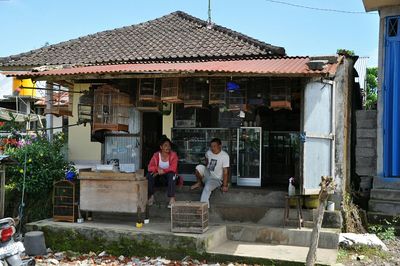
pixel 346 254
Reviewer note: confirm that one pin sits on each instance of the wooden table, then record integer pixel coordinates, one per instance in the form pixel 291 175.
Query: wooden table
pixel 113 191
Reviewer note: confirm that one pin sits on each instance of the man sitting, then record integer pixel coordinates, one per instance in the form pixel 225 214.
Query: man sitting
pixel 216 172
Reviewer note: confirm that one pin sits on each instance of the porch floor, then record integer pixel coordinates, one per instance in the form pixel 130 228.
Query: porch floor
pixel 232 241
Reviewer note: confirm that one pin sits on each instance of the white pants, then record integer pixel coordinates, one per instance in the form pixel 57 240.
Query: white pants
pixel 210 183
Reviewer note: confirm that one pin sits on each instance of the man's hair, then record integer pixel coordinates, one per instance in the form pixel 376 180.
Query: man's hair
pixel 216 140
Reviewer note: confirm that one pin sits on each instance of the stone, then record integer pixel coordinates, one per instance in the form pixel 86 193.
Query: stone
pixel 121 258
pixel 59 255
pixel 102 254
pixel 53 261
pixel 352 239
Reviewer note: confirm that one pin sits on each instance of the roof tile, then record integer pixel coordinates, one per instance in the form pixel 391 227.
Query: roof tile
pixel 177 35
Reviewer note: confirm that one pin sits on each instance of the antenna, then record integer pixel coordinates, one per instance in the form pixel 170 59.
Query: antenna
pixel 209 22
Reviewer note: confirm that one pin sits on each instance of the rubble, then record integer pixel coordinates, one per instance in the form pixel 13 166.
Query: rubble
pixel 350 239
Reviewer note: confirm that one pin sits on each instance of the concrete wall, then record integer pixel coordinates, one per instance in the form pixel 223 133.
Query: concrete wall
pixel 366 153
pixel 168 124
pixel 342 121
pixel 80 149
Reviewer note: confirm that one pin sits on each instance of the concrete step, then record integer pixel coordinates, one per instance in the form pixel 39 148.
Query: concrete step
pixel 385 194
pixel 233 213
pixel 392 183
pixel 381 218
pixel 329 238
pixel 281 253
pixel 384 206
pixel 235 195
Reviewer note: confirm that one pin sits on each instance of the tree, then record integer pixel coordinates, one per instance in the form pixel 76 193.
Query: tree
pixel 371 90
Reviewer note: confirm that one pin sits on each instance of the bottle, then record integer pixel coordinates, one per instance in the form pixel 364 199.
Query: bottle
pixel 291 188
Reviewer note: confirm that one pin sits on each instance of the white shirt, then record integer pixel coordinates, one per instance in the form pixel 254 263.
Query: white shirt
pixel 217 163
pixel 161 163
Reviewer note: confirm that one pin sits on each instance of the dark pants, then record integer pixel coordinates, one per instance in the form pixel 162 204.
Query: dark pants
pixel 170 179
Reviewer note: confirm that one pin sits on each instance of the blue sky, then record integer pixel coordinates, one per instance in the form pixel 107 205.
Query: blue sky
pixel 29 24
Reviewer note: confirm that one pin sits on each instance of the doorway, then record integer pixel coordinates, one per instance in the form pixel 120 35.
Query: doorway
pixel 151 135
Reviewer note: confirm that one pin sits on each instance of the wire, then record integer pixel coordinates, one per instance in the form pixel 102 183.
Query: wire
pixel 322 9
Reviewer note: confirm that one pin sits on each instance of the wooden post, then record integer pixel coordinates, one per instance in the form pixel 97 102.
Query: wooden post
pixel 2 189
pixel 327 186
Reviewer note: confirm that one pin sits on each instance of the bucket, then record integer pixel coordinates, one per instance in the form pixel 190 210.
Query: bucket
pixel 330 206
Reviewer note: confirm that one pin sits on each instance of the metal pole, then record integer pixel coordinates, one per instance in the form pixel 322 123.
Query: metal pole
pixel 3 190
pixel 49 106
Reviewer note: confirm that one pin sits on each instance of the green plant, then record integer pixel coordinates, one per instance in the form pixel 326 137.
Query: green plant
pixel 44 163
pixel 371 90
pixel 345 52
pixel 386 231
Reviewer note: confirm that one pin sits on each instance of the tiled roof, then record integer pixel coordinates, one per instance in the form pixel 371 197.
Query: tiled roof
pixel 177 36
pixel 279 66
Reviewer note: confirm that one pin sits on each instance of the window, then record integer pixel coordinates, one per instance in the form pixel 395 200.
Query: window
pixel 392 27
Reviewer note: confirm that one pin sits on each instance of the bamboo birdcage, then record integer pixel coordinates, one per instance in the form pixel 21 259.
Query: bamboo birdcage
pixel 62 103
pixel 280 94
pixel 217 91
pixel 149 90
pixel 195 91
pixel 171 90
pixel 110 109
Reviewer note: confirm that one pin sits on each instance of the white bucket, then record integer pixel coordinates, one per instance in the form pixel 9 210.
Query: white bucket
pixel 330 206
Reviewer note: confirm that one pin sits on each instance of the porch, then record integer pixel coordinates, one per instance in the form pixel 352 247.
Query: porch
pixel 245 225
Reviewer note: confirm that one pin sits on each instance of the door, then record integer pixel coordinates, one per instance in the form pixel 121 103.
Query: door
pixel 249 156
pixel 317 135
pixel 391 83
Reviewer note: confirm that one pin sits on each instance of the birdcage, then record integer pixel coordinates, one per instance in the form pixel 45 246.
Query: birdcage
pixel 85 107
pixel 61 103
pixel 110 109
pixel 195 91
pixel 217 91
pixel 149 90
pixel 280 94
pixel 171 90
pixel 257 93
pixel 148 106
pixel 236 94
pixel 189 217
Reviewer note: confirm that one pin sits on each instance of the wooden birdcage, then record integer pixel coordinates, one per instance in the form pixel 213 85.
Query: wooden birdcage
pixel 217 91
pixel 65 201
pixel 85 107
pixel 148 106
pixel 171 90
pixel 149 90
pixel 280 94
pixel 195 91
pixel 189 217
pixel 257 93
pixel 62 103
pixel 110 109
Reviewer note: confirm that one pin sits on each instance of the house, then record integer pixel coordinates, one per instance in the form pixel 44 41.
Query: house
pixel 385 194
pixel 278 116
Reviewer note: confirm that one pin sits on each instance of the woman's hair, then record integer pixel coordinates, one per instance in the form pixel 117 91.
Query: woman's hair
pixel 164 139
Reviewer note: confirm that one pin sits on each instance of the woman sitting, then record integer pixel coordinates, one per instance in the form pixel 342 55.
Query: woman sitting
pixel 164 164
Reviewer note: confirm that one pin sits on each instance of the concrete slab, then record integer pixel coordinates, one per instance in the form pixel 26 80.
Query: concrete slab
pixel 273 252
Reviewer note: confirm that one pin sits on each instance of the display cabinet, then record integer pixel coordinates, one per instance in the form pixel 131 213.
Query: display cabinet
pixel 191 144
pixel 249 156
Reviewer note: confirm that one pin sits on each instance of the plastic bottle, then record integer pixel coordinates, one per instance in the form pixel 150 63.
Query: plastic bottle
pixel 291 188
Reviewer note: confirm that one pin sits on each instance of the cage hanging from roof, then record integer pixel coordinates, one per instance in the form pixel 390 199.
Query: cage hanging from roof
pixel 110 109
pixel 280 94
pixel 171 90
pixel 149 90
pixel 61 103
pixel 195 91
pixel 85 107
pixel 236 94
pixel 217 91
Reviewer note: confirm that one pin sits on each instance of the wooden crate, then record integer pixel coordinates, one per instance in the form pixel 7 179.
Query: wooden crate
pixel 189 217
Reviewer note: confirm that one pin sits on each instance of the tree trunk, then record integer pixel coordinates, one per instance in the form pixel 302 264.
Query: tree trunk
pixel 326 185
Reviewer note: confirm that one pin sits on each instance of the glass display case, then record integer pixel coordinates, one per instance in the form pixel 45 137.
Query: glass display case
pixel 249 156
pixel 191 144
